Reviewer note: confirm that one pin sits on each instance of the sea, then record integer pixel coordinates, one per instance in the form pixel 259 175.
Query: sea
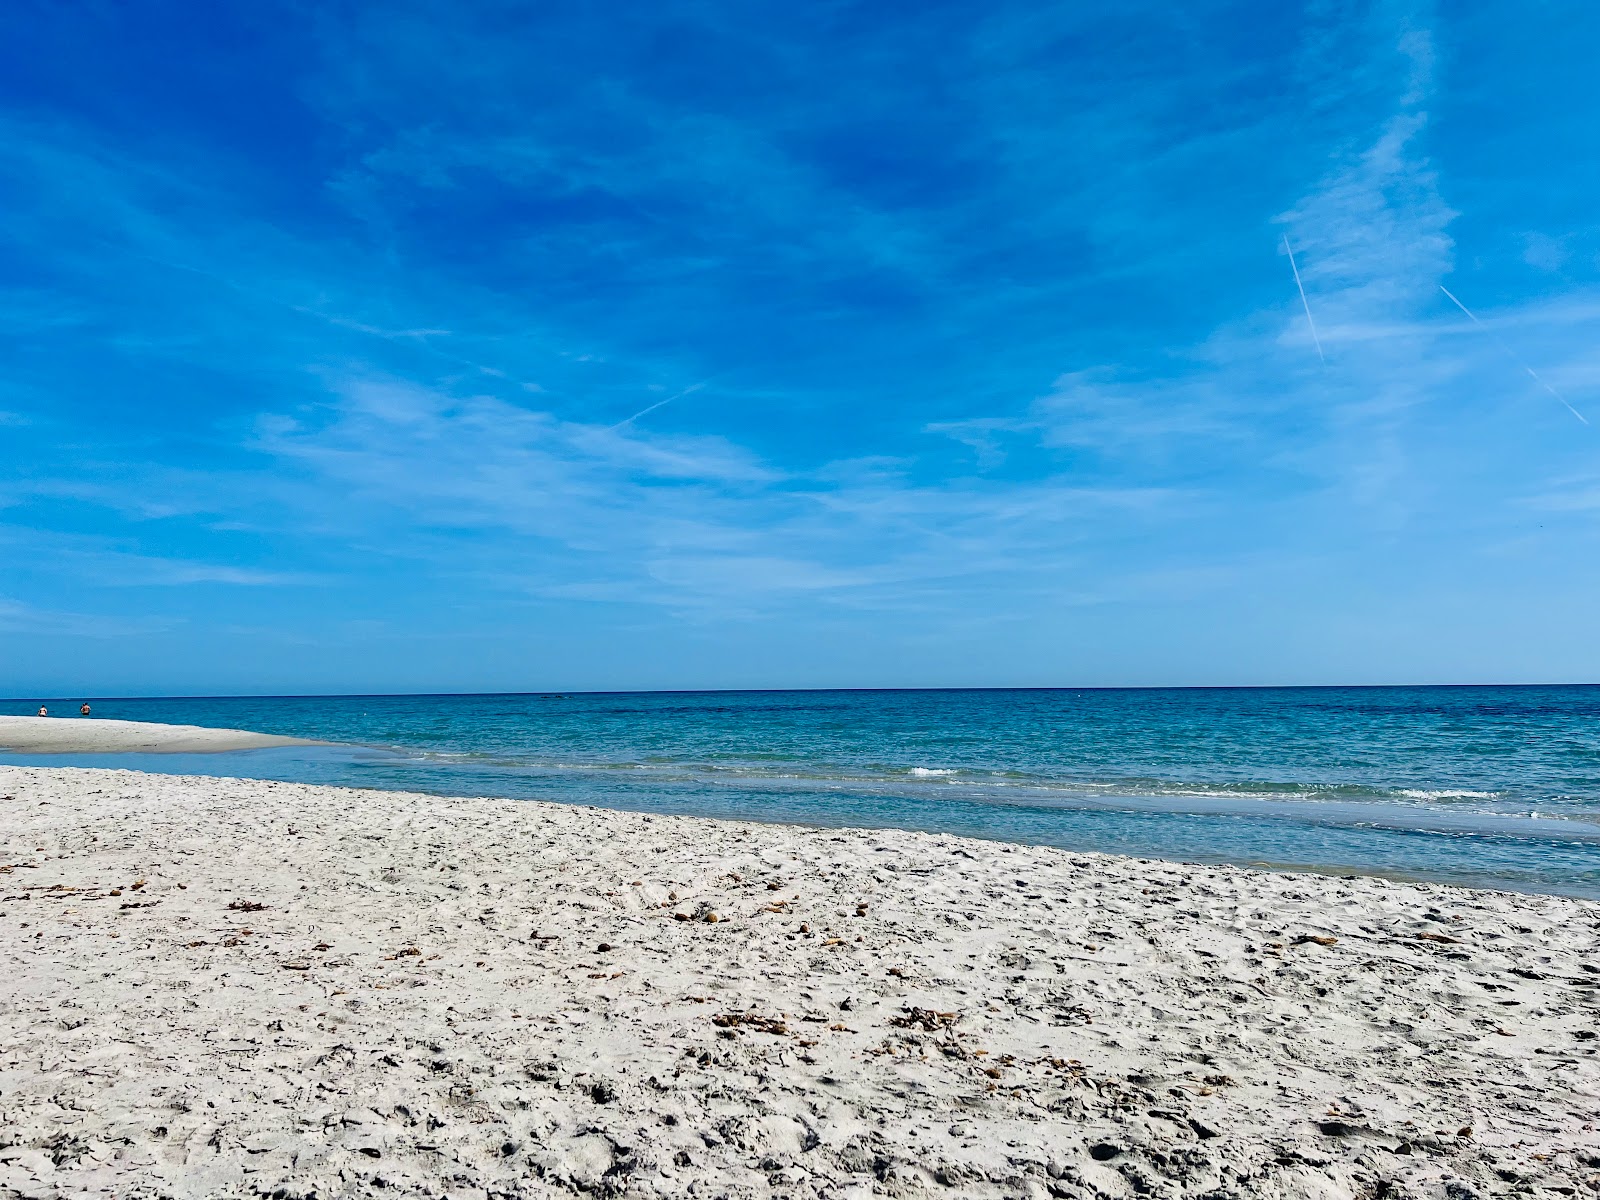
pixel 1484 786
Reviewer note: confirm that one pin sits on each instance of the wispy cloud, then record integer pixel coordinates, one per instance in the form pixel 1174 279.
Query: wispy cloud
pixel 1575 495
pixel 99 563
pixel 30 620
pixel 671 519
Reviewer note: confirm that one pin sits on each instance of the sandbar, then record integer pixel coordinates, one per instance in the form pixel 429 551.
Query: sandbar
pixel 91 735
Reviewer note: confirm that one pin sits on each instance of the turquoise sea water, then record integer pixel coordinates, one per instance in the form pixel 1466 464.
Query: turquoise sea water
pixel 1490 786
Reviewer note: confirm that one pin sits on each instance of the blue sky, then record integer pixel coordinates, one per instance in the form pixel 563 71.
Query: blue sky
pixel 489 346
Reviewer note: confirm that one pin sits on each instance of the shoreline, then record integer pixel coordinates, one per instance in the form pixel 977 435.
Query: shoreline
pixel 223 744
pixel 453 994
pixel 1489 845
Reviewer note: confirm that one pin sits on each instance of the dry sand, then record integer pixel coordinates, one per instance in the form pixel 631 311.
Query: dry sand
pixel 90 735
pixel 218 987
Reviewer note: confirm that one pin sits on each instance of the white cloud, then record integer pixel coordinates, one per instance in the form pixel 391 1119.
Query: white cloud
pixel 663 518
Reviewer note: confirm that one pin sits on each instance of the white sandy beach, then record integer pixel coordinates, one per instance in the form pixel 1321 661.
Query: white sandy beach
pixel 91 735
pixel 220 988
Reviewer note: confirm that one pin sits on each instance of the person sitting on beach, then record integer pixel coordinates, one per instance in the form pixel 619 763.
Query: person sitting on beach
pixel 84 711
pixel 43 711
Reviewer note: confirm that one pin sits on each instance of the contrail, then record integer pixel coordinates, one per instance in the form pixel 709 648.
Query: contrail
pixel 693 387
pixel 1515 357
pixel 1306 304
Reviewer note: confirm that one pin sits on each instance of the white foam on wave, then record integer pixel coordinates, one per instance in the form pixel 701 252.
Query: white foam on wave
pixel 927 772
pixel 1445 794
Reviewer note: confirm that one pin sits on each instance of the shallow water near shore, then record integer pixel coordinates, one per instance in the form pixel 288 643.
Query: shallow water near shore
pixel 1490 786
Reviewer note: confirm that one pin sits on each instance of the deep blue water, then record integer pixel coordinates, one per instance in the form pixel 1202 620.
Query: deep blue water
pixel 1491 786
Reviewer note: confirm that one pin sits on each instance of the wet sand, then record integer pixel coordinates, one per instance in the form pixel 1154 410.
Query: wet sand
pixel 223 987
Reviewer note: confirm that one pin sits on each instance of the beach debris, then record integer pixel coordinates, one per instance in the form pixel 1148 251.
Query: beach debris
pixel 322 946
pixel 775 885
pixel 138 883
pixel 297 966
pixel 603 948
pixel 408 952
pixel 711 918
pixel 241 905
pixel 925 1019
pixel 681 916
pixel 1442 938
pixel 1319 939
pixel 761 1024
pixel 64 1149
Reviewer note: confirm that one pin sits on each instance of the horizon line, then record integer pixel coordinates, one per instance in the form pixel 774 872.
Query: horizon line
pixel 563 692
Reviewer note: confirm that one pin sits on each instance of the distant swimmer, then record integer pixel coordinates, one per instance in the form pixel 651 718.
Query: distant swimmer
pixel 43 711
pixel 84 711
